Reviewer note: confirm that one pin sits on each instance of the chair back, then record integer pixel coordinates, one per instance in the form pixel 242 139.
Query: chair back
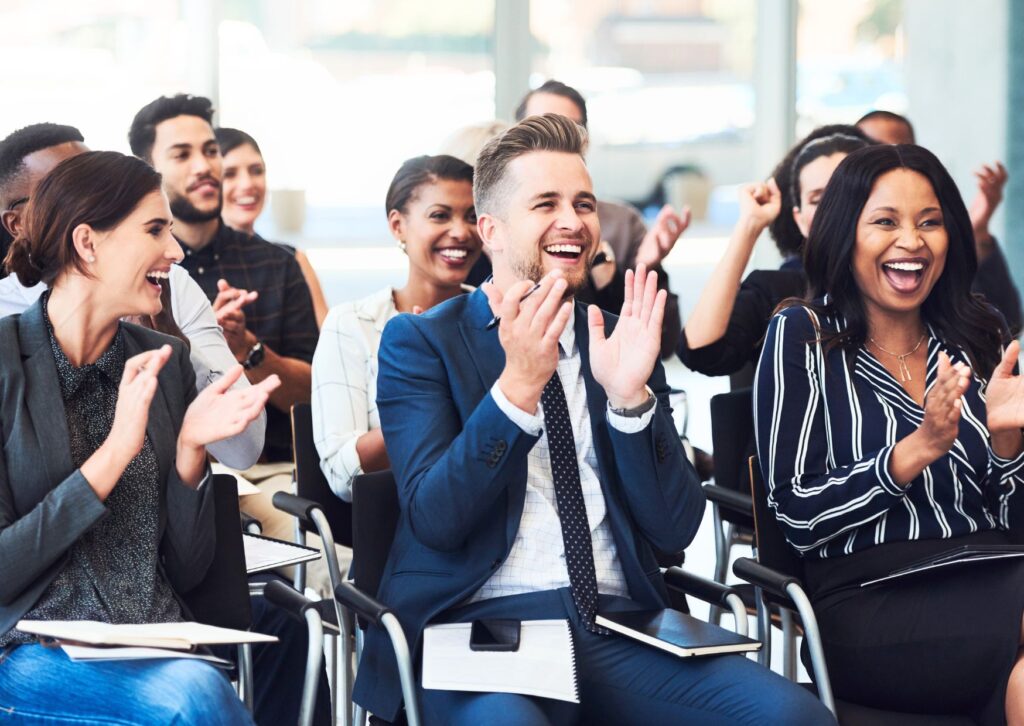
pixel 310 482
pixel 732 439
pixel 222 598
pixel 773 550
pixel 375 510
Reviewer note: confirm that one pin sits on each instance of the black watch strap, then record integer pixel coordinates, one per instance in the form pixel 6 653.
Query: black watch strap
pixel 256 355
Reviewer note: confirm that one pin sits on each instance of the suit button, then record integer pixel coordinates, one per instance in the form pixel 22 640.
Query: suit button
pixel 500 448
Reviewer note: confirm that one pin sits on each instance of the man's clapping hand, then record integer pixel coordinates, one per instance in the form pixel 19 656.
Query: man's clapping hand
pixel 228 307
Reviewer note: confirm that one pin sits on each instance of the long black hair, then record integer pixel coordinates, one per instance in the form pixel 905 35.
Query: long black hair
pixel 958 317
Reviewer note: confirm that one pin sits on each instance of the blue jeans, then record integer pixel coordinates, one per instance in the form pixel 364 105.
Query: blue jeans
pixel 622 681
pixel 41 685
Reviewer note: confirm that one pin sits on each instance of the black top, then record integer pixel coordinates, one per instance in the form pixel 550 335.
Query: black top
pixel 995 283
pixel 755 303
pixel 281 317
pixel 112 574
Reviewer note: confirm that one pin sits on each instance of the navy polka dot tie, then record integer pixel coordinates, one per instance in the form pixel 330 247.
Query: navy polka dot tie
pixel 572 512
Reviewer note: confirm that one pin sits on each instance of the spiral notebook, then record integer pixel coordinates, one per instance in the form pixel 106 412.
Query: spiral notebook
pixel 544 665
pixel 265 553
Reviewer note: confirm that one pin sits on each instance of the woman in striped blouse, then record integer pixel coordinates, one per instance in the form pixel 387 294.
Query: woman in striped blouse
pixel 889 429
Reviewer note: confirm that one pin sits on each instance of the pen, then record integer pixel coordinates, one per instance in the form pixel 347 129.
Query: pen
pixel 497 319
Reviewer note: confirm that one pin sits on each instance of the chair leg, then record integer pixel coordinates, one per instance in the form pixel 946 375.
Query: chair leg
pixel 721 559
pixel 788 644
pixel 245 687
pixel 764 629
pixel 405 667
pixel 358 712
pixel 813 637
pixel 314 661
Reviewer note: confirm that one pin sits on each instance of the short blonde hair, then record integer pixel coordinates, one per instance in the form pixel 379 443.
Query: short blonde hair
pixel 467 142
pixel 550 132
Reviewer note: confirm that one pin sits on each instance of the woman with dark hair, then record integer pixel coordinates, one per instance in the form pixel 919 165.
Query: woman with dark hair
pixel 724 332
pixel 430 214
pixel 244 182
pixel 104 511
pixel 888 426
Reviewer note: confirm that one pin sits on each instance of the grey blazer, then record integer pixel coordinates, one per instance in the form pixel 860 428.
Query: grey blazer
pixel 46 504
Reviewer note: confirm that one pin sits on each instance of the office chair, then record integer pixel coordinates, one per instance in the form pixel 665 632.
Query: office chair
pixel 778 573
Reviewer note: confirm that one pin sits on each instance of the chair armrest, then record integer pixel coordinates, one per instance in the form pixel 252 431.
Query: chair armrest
pixel 766 578
pixel 299 507
pixel 360 603
pixel 701 588
pixel 729 498
pixel 288 599
pixel 251 524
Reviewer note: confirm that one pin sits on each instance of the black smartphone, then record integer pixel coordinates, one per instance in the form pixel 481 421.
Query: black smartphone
pixel 494 635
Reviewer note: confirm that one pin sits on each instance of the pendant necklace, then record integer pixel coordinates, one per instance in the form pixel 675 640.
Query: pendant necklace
pixel 901 359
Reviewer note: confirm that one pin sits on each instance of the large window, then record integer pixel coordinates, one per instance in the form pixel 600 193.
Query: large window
pixel 849 60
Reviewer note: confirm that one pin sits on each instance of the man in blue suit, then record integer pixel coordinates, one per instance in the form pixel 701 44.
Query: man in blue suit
pixel 537 465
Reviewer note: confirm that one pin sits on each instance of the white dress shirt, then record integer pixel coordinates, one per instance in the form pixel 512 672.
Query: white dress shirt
pixel 344 398
pixel 536 561
pixel 210 355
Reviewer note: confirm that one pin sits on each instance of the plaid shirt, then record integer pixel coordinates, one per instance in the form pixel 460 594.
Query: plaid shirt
pixel 281 317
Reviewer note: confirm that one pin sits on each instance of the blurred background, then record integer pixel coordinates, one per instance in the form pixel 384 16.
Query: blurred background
pixel 687 99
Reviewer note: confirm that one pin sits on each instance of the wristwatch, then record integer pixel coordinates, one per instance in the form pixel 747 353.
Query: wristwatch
pixel 255 356
pixel 636 411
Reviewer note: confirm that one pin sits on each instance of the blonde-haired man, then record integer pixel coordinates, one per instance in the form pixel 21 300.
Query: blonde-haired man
pixel 538 467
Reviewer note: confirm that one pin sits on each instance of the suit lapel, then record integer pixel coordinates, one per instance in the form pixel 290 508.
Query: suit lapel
pixel 483 345
pixel 42 392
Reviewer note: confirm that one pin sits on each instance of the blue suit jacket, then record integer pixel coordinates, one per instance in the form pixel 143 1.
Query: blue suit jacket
pixel 460 465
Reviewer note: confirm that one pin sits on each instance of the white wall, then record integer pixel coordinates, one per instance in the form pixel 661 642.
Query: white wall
pixel 957 83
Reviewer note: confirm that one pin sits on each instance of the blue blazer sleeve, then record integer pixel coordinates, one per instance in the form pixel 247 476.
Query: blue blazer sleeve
pixel 448 471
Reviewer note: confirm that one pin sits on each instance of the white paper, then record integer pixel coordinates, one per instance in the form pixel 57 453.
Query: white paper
pixel 262 553
pixel 245 487
pixel 85 653
pixel 544 665
pixel 182 636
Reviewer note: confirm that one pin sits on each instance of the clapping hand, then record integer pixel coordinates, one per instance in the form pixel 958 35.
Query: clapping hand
pixel 622 363
pixel 1004 395
pixel 220 412
pixel 227 306
pixel 991 180
pixel 529 333
pixel 662 237
pixel 942 406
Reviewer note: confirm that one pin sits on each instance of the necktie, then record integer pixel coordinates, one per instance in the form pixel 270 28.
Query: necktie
pixel 572 512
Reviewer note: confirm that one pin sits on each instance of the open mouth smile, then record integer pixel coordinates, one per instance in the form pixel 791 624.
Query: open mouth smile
pixel 905 275
pixel 157 279
pixel 454 256
pixel 568 251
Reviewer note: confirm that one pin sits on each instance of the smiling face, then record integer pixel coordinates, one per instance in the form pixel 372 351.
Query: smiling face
pixel 548 220
pixel 133 260
pixel 245 187
pixel 813 180
pixel 438 227
pixel 901 244
pixel 185 152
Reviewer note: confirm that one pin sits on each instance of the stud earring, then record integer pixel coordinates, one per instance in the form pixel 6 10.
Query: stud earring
pixel 401 245
pixel 91 258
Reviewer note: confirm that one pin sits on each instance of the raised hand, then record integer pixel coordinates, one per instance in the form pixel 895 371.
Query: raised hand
pixel 1004 395
pixel 623 361
pixel 759 205
pixel 662 236
pixel 529 332
pixel 227 306
pixel 991 180
pixel 131 415
pixel 220 412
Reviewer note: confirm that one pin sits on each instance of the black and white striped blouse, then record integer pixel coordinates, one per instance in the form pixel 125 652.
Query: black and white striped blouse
pixel 826 428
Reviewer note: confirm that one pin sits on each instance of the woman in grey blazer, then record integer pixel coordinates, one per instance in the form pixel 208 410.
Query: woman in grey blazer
pixel 103 510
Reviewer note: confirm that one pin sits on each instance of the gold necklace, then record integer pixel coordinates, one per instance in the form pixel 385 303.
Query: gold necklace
pixel 901 358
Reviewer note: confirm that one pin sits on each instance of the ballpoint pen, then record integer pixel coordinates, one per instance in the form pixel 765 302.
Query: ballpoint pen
pixel 497 318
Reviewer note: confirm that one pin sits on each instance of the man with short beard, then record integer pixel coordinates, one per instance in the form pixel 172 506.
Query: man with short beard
pixel 275 332
pixel 538 467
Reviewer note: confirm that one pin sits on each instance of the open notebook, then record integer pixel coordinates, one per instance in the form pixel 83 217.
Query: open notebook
pixel 544 665
pixel 173 636
pixel 265 553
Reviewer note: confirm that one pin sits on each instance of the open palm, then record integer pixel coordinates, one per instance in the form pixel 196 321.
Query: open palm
pixel 624 360
pixel 1004 395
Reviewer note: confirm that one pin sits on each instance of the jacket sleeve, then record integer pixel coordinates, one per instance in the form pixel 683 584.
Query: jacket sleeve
pixel 814 499
pixel 449 472
pixel 660 486
pixel 190 536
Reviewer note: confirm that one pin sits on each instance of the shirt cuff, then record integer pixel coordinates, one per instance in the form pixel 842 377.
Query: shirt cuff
pixel 206 478
pixel 889 484
pixel 531 424
pixel 1007 467
pixel 631 425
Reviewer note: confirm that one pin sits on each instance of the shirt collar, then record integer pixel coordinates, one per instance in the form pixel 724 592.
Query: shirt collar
pixel 567 340
pixel 109 364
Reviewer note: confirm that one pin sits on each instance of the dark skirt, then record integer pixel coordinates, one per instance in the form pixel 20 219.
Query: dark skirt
pixel 938 642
